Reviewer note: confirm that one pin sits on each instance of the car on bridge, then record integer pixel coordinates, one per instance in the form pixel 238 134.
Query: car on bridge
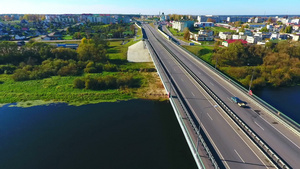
pixel 238 101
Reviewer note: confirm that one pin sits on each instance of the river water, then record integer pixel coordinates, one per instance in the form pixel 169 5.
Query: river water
pixel 285 99
pixel 135 134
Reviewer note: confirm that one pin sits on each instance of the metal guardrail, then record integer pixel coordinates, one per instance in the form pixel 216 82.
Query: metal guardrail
pixel 260 143
pixel 267 106
pixel 190 118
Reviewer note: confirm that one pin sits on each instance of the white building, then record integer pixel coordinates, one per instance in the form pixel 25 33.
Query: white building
pixel 295 21
pixel 225 35
pixel 274 36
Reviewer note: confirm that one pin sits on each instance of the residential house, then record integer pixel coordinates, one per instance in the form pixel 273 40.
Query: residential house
pixel 55 36
pixel 235 36
pixel 248 32
pixel 17 37
pixel 283 37
pixel 294 37
pixel 296 27
pixel 225 35
pixel 250 39
pixel 295 21
pixel 274 36
pixel 206 32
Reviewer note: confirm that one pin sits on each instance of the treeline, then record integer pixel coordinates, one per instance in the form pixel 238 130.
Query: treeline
pixel 106 82
pixel 40 60
pixel 89 30
pixel 275 64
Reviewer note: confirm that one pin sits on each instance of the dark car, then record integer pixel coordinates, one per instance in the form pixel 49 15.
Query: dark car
pixel 238 101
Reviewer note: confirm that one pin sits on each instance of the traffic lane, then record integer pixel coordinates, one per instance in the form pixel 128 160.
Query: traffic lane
pixel 229 147
pixel 181 80
pixel 256 125
pixel 233 149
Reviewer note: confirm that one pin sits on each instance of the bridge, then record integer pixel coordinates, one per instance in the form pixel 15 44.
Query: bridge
pixel 221 134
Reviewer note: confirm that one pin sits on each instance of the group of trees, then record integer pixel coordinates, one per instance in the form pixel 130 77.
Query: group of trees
pixel 89 30
pixel 40 60
pixel 175 17
pixel 276 64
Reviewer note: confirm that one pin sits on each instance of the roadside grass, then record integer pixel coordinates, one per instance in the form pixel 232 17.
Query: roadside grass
pixel 118 49
pixel 67 37
pixel 175 32
pixel 195 50
pixel 139 32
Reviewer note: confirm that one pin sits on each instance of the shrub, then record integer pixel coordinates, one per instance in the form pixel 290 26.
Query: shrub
pixel 40 74
pixel 91 83
pixel 90 70
pixel 110 67
pixel 20 75
pixel 111 82
pixel 7 69
pixel 78 83
pixel 69 70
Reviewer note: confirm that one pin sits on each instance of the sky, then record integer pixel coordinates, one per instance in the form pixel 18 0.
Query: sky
pixel 152 7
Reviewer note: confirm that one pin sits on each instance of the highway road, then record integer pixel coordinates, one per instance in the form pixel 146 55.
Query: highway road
pixel 282 140
pixel 232 145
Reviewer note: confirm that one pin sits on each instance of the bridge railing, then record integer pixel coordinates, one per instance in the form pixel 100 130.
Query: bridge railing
pixel 277 113
pixel 189 138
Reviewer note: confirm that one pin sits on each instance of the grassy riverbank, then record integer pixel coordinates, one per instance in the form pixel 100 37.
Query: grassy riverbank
pixel 60 88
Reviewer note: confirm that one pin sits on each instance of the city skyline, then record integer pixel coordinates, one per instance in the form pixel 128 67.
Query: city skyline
pixel 217 7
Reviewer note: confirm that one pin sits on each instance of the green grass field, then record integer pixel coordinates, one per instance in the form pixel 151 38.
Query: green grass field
pixel 195 50
pixel 67 37
pixel 175 32
pixel 219 29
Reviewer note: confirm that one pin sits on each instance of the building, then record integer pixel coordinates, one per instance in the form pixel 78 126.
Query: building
pixel 206 32
pixel 180 25
pixel 225 35
pixel 295 21
pixel 162 17
pixel 203 24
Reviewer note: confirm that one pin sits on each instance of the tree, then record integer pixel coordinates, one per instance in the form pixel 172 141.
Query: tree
pixel 264 29
pixel 186 34
pixel 288 29
pixel 270 20
pixel 88 50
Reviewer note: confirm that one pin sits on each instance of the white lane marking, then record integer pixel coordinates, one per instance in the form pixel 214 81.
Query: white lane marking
pixel 192 93
pixel 174 69
pixel 281 133
pixel 200 73
pixel 181 79
pixel 211 83
pixel 209 116
pixel 229 99
pixel 239 156
pixel 258 125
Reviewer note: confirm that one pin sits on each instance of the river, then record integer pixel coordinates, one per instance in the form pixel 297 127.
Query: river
pixel 285 99
pixel 129 134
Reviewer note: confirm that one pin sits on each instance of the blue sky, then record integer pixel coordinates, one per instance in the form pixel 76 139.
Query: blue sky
pixel 193 7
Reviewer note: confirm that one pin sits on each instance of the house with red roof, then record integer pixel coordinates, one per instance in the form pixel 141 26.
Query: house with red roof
pixel 227 42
